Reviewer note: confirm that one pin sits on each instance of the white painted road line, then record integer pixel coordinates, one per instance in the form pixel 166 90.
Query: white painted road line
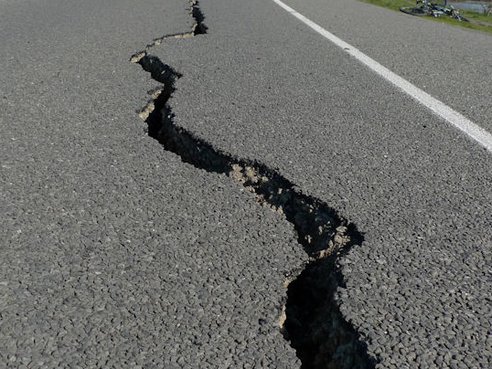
pixel 471 129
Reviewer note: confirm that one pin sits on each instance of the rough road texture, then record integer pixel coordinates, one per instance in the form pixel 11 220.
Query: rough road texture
pixel 311 319
pixel 419 288
pixel 114 253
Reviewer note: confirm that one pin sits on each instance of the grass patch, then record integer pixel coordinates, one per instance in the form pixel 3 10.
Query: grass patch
pixel 480 22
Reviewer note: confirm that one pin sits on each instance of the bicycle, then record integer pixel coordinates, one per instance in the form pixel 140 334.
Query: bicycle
pixel 425 7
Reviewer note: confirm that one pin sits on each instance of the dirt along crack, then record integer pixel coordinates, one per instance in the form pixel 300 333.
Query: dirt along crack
pixel 311 320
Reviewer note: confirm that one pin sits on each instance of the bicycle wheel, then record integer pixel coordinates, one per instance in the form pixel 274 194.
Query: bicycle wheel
pixel 414 11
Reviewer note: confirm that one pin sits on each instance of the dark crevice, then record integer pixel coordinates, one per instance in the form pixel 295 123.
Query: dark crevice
pixel 199 28
pixel 313 324
pixel 159 71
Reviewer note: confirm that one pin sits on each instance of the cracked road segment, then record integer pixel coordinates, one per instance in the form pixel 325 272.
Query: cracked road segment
pixel 310 320
pixel 114 253
pixel 416 290
pixel 220 241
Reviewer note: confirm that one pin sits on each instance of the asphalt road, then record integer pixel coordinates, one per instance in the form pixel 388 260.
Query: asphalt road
pixel 116 253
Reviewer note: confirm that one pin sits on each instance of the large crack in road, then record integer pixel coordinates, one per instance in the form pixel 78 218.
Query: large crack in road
pixel 311 319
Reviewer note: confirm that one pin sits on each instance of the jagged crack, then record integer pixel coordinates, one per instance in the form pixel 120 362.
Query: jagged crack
pixel 313 322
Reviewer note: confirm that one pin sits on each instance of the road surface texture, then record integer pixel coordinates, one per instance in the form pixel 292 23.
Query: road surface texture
pixel 114 253
pixel 158 248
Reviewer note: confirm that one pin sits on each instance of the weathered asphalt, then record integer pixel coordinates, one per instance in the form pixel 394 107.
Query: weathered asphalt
pixel 450 63
pixel 418 288
pixel 116 254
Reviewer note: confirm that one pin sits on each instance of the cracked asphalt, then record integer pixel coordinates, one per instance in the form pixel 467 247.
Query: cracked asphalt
pixel 114 253
pixel 418 289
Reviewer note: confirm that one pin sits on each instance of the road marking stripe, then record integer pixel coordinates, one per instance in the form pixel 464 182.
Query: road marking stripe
pixel 473 130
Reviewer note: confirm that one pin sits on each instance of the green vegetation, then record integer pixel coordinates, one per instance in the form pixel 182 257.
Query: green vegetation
pixel 481 22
